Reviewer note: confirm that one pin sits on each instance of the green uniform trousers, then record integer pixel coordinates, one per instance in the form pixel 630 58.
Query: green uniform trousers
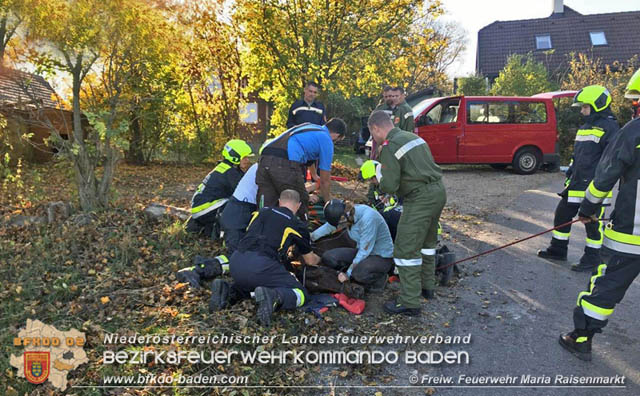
pixel 414 252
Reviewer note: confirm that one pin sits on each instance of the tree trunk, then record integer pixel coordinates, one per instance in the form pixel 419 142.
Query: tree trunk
pixel 135 154
pixel 84 168
pixel 3 38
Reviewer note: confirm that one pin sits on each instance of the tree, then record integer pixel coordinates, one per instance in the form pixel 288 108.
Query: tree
pixel 429 49
pixel 85 39
pixel 11 16
pixel 472 85
pixel 522 76
pixel 215 73
pixel 343 45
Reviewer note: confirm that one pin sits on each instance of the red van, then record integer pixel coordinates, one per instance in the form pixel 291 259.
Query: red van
pixel 495 130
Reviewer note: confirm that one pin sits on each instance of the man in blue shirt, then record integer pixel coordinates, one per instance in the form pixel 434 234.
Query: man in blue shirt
pixel 284 160
pixel 372 259
pixel 307 109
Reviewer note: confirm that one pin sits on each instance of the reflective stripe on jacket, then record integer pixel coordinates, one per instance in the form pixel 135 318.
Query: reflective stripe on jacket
pixel 590 142
pixel 620 161
pixel 215 188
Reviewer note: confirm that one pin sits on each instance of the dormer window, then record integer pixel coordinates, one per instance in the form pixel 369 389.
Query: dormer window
pixel 543 42
pixel 598 38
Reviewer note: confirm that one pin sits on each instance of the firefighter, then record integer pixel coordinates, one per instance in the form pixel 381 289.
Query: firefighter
pixel 389 206
pixel 283 162
pixel 403 113
pixel 388 105
pixel 407 169
pixel 611 279
pixel 591 140
pixel 217 187
pixel 237 212
pixel 258 263
pixel 372 258
pixel 307 109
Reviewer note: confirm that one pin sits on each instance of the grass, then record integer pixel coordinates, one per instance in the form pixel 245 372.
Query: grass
pixel 347 157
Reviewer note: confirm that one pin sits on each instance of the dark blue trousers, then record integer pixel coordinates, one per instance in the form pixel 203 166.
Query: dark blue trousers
pixel 234 221
pixel 251 269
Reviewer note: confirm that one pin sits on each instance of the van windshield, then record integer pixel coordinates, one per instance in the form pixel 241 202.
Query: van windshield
pixel 420 107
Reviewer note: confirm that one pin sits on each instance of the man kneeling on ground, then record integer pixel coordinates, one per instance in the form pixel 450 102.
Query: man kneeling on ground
pixel 258 263
pixel 372 259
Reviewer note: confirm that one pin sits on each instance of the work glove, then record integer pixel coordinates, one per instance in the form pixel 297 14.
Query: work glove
pixel 370 169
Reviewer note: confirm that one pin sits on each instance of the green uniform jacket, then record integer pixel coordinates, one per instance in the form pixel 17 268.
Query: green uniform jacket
pixel 403 117
pixel 407 165
pixel 383 106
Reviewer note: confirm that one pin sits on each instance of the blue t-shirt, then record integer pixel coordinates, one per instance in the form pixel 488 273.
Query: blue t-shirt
pixel 312 146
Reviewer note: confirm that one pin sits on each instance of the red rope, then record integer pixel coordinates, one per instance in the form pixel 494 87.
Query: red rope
pixel 513 243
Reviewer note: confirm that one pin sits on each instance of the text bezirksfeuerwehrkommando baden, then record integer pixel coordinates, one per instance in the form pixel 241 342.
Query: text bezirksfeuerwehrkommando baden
pixel 237 339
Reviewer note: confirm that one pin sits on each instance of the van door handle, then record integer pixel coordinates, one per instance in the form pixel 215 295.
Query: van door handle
pixel 453 126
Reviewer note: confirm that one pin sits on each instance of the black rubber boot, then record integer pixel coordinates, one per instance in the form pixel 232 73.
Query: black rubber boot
pixel 396 308
pixel 268 302
pixel 578 342
pixel 589 260
pixel 554 252
pixel 429 294
pixel 220 295
pixel 208 267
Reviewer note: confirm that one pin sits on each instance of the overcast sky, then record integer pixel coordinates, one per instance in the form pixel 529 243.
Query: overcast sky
pixel 473 15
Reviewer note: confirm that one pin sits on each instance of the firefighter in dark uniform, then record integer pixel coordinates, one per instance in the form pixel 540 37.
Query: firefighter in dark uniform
pixel 217 187
pixel 236 214
pixel 407 169
pixel 621 247
pixel 284 160
pixel 591 140
pixel 307 109
pixel 258 263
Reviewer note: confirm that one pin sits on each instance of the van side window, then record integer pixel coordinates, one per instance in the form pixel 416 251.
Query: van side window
pixel 488 112
pixel 511 112
pixel 530 113
pixel 442 113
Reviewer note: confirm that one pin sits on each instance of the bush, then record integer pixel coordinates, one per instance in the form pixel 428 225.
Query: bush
pixel 472 85
pixel 522 76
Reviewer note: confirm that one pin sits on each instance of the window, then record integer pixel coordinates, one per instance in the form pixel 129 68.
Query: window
pixel 249 113
pixel 442 113
pixel 543 42
pixel 487 112
pixel 529 113
pixel 598 38
pixel 506 113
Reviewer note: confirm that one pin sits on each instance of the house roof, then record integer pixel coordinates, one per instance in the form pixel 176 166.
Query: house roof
pixel 569 32
pixel 18 87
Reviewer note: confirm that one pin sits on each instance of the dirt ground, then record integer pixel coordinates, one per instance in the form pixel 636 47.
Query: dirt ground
pixel 495 188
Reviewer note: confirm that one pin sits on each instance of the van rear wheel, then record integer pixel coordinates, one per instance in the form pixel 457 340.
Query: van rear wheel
pixel 527 161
